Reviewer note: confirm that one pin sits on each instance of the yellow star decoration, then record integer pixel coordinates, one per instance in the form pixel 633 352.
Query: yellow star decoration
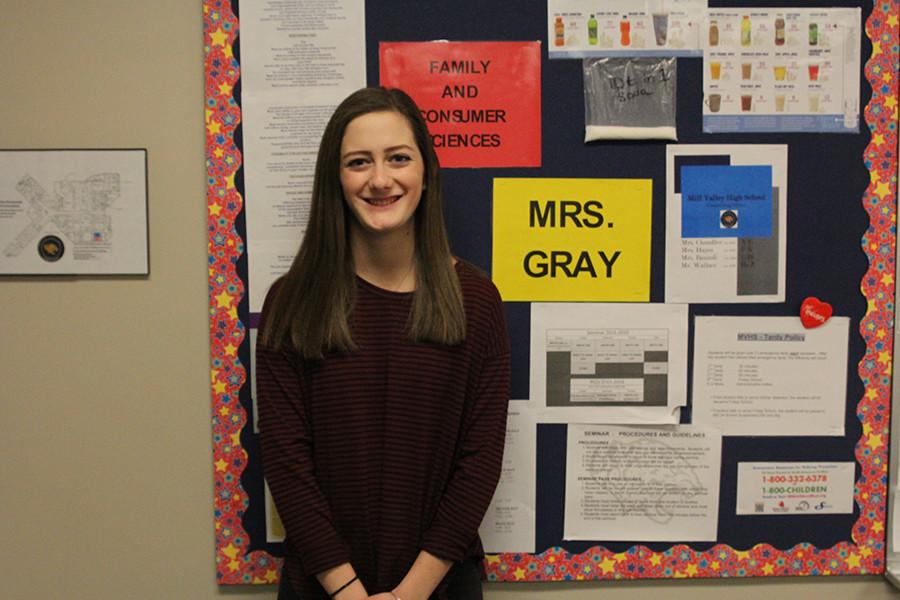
pixel 877 526
pixel 219 37
pixel 715 565
pixel 231 551
pixel 865 551
pixel 876 49
pixel 234 565
pixel 224 411
pixel 228 52
pixel 871 394
pixel 883 189
pixel 219 152
pixel 742 554
pixel 881 332
pixel 874 441
pixel 691 570
pixel 219 387
pixel 892 20
pixel 655 559
pixel 224 88
pixel 230 350
pixel 890 101
pixel 209 114
pixel 768 569
pixel 213 374
pixel 271 576
pixel 215 209
pixel 493 559
pixel 223 300
pixel 867 429
pixel 236 438
pixel 229 182
pixel 853 560
pixel 221 465
pixel 213 128
pixel 607 566
pixel 878 139
pixel 520 573
pixel 232 313
pixel 884 357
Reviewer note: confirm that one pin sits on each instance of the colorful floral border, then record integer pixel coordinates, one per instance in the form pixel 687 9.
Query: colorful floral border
pixel 235 565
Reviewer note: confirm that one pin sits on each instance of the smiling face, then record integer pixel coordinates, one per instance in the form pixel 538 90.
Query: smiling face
pixel 382 174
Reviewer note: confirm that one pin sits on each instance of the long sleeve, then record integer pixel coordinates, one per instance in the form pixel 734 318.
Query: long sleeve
pixel 287 449
pixel 479 456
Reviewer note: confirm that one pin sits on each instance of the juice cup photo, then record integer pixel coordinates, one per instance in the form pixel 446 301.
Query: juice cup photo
pixel 813 72
pixel 746 70
pixel 746 102
pixel 779 103
pixel 714 102
pixel 780 73
pixel 661 27
pixel 715 69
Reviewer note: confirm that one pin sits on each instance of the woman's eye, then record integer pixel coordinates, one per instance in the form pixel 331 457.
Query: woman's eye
pixel 356 162
pixel 400 158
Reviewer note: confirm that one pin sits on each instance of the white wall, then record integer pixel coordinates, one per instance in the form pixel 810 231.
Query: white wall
pixel 105 454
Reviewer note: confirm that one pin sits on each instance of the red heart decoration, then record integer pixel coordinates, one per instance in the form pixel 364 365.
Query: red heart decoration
pixel 814 312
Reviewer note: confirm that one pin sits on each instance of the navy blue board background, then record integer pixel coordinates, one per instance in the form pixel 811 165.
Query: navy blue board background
pixel 826 220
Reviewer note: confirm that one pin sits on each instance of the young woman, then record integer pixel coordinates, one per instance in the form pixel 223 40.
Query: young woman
pixel 382 375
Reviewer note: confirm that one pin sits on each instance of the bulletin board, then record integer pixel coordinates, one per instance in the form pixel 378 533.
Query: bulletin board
pixel 841 247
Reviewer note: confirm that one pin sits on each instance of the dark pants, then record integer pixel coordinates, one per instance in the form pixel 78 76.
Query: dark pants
pixel 463 583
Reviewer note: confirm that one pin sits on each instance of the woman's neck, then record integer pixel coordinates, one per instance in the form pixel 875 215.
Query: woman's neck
pixel 386 261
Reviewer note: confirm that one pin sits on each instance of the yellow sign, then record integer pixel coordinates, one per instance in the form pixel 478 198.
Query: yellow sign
pixel 572 239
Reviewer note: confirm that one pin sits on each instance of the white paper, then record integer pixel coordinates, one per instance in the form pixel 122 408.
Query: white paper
pixel 298 61
pixel 784 488
pixel 770 376
pixel 782 69
pixel 73 212
pixel 642 483
pixel 274 526
pixel 608 363
pixel 581 28
pixel 723 270
pixel 508 524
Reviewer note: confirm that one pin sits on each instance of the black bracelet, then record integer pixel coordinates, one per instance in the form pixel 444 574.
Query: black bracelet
pixel 344 587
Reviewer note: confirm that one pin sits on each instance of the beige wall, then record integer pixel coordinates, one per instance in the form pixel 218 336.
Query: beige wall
pixel 105 468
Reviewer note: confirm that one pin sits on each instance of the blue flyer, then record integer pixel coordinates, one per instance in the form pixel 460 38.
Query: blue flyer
pixel 726 201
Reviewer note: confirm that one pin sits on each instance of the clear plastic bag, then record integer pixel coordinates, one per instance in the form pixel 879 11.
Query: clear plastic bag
pixel 629 98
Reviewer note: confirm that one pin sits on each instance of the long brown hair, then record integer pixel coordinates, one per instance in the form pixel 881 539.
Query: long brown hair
pixel 310 310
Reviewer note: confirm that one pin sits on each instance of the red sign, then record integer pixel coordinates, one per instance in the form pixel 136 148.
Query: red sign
pixel 481 100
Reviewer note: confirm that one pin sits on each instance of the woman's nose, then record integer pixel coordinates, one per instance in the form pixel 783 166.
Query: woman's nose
pixel 380 177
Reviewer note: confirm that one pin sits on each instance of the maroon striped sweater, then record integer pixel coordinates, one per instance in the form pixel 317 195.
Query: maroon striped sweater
pixel 374 455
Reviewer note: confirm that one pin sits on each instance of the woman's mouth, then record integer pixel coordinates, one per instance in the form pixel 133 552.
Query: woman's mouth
pixel 385 201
